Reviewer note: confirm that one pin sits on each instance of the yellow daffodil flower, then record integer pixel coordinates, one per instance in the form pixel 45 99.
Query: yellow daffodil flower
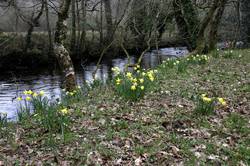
pixel 133 87
pixel 41 93
pixel 129 75
pixel 203 95
pixel 64 111
pixel 25 92
pixel 19 99
pixel 118 81
pixel 222 101
pixel 142 87
pixel 207 99
pixel 35 94
pixel 30 92
pixel 134 80
pixel 141 80
pixel 28 98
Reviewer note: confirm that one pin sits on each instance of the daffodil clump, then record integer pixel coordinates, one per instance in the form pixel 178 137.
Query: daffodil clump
pixel 133 85
pixel 229 54
pixel 179 64
pixel 206 105
pixel 198 59
pixel 52 116
pixel 70 96
pixel 28 101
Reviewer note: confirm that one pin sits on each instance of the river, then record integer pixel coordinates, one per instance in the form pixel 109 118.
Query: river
pixel 50 81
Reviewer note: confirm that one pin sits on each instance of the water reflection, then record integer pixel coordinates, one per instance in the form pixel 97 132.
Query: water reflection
pixel 11 87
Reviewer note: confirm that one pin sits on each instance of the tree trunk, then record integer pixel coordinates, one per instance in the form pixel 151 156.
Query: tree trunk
pixel 83 34
pixel 245 21
pixel 61 53
pixel 137 23
pixel 201 42
pixel 48 26
pixel 101 25
pixel 109 22
pixel 28 37
pixel 32 24
pixel 73 27
pixel 182 24
pixel 214 24
pixel 78 30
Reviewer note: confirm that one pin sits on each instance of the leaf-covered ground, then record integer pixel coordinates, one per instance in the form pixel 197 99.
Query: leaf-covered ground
pixel 161 129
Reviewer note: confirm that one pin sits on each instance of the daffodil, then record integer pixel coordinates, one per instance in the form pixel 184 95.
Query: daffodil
pixel 143 73
pixel 19 99
pixel 134 80
pixel 35 94
pixel 71 93
pixel 28 98
pixel 207 99
pixel 41 93
pixel 222 101
pixel 141 80
pixel 64 111
pixel 116 70
pixel 25 92
pixel 78 87
pixel 129 75
pixel 118 81
pixel 133 87
pixel 203 95
pixel 30 92
pixel 142 87
pixel 151 79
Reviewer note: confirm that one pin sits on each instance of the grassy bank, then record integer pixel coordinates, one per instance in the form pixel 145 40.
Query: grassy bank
pixel 170 125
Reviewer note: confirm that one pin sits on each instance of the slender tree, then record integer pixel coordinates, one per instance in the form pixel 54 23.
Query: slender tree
pixel 32 23
pixel 214 24
pixel 48 25
pixel 61 52
pixel 73 26
pixel 109 21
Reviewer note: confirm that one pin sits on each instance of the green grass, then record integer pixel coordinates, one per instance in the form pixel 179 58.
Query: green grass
pixel 161 128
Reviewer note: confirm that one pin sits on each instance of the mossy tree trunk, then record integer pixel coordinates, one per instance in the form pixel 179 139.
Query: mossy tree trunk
pixel 214 24
pixel 201 46
pixel 109 22
pixel 61 52
pixel 83 28
pixel 48 26
pixel 245 21
pixel 194 31
pixel 73 27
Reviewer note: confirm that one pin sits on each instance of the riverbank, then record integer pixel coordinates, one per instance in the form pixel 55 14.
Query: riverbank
pixel 14 58
pixel 162 128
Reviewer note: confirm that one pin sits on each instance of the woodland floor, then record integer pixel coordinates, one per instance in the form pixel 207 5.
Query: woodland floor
pixel 160 129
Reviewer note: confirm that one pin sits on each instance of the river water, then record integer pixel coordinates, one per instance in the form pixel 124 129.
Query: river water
pixel 50 81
